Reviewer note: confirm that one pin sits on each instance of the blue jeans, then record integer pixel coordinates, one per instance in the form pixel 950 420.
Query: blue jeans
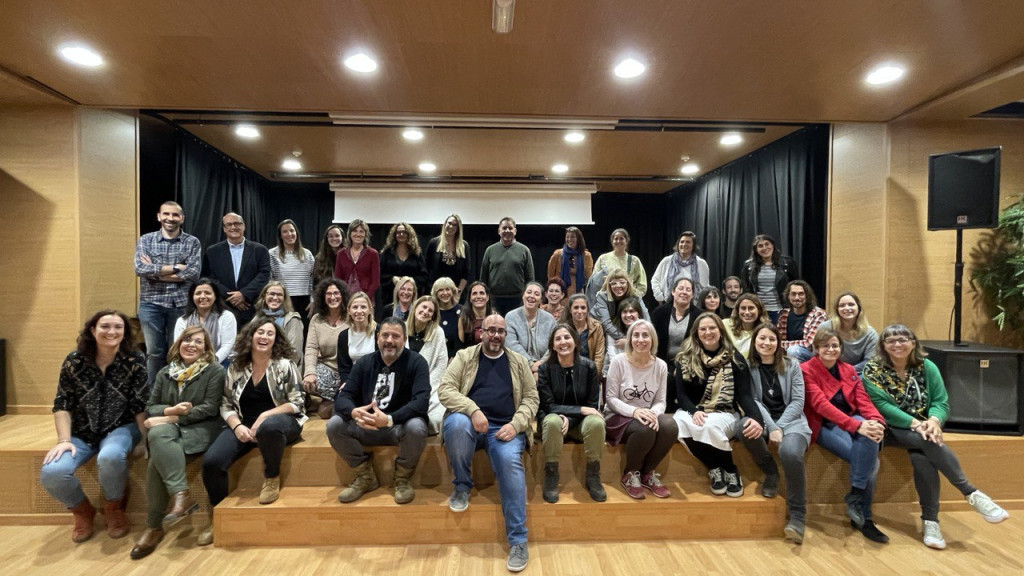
pixel 58 477
pixel 800 353
pixel 158 330
pixel 860 451
pixel 461 441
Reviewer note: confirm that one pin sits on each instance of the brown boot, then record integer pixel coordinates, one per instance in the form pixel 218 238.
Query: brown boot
pixel 147 543
pixel 113 512
pixel 364 480
pixel 182 506
pixel 404 492
pixel 84 514
pixel 271 490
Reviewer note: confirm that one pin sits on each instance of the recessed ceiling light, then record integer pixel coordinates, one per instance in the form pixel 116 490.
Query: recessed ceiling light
pixel 412 134
pixel 427 167
pixel 575 137
pixel 247 131
pixel 291 164
pixel 81 54
pixel 730 139
pixel 885 74
pixel 690 169
pixel 629 68
pixel 360 62
pixel 559 168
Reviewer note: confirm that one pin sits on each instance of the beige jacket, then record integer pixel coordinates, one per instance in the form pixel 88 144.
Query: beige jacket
pixel 461 373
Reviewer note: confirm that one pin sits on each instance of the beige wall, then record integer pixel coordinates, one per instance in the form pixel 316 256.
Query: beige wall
pixel 879 245
pixel 67 226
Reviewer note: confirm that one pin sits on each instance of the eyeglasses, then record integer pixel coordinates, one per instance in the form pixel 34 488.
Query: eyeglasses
pixel 832 346
pixel 495 331
pixel 898 340
pixel 234 224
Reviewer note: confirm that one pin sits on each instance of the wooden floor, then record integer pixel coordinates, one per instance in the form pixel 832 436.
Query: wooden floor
pixel 831 547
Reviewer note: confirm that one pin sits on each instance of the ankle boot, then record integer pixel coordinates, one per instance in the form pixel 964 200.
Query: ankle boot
pixel 770 484
pixel 404 492
pixel 551 482
pixel 113 512
pixel 593 481
pixel 85 515
pixel 364 480
pixel 182 506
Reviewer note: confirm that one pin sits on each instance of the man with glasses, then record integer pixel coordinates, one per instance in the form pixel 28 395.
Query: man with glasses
pixel 240 267
pixel 167 264
pixel 506 267
pixel 491 401
pixel 383 403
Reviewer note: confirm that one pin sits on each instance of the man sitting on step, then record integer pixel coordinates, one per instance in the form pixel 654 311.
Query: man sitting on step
pixel 491 400
pixel 383 403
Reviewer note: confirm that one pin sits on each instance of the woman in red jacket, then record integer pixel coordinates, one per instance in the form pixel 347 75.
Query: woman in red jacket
pixel 845 422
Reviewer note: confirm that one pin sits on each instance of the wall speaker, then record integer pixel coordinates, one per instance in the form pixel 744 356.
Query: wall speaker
pixel 963 189
pixel 984 386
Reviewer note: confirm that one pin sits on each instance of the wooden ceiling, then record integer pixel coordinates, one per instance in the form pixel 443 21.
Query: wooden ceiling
pixel 768 67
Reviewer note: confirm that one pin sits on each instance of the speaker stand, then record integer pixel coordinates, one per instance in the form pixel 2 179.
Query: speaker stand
pixel 958 287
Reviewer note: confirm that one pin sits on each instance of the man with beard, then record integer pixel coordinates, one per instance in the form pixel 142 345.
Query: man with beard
pixel 383 403
pixel 799 322
pixel 167 264
pixel 491 399
pixel 506 267
pixel 731 290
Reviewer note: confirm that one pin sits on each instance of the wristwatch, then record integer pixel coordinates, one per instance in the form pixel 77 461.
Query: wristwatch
pixel 391 421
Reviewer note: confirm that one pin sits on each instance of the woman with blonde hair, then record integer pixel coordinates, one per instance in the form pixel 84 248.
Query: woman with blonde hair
pixel 425 337
pixel 182 420
pixel 450 311
pixel 448 256
pixel 358 339
pixel 605 307
pixel 402 298
pixel 401 258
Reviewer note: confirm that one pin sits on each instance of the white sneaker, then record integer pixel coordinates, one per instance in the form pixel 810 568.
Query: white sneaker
pixel 933 535
pixel 988 509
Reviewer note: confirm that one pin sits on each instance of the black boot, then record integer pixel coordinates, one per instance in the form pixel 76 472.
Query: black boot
pixel 593 480
pixel 854 507
pixel 770 485
pixel 551 482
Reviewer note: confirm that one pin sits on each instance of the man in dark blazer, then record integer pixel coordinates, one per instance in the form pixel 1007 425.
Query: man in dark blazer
pixel 241 268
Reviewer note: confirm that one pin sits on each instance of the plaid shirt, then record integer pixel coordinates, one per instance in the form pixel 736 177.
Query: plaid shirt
pixel 184 249
pixel 814 319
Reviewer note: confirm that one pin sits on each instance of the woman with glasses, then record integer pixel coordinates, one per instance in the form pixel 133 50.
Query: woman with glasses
pixel 844 421
pixel 908 391
pixel 635 411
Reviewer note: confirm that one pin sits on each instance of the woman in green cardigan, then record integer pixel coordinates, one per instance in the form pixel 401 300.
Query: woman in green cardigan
pixel 183 417
pixel 908 391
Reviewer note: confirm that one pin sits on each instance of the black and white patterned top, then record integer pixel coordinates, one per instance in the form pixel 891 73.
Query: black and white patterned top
pixel 100 402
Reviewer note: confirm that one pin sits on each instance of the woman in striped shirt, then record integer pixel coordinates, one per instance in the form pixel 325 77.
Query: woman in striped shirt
pixel 292 265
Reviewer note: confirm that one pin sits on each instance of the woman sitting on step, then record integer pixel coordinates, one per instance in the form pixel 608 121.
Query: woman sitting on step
pixel 907 389
pixel 183 418
pixel 263 407
pixel 569 386
pixel 98 410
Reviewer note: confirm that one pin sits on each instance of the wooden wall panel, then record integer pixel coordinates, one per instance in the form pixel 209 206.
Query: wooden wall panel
pixel 919 263
pixel 857 231
pixel 39 264
pixel 108 226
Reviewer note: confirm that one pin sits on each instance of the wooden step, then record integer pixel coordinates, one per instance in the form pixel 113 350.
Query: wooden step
pixel 306 516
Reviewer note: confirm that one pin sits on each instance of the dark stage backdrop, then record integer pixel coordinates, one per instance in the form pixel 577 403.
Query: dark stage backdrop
pixel 780 190
pixel 766 191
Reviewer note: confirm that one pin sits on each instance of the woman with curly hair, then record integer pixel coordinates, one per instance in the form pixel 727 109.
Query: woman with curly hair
pixel 262 406
pixel 98 411
pixel 320 367
pixel 401 257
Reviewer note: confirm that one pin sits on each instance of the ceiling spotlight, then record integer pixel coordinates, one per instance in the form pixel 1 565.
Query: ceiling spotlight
pixel 247 131
pixel 291 165
pixel 629 68
pixel 502 12
pixel 559 168
pixel 690 169
pixel 427 167
pixel 885 74
pixel 412 134
pixel 730 139
pixel 574 137
pixel 361 63
pixel 81 55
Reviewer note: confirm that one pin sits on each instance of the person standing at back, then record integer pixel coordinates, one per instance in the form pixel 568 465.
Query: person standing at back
pixel 240 267
pixel 506 267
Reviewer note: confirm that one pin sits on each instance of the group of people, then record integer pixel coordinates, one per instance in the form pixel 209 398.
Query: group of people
pixel 233 364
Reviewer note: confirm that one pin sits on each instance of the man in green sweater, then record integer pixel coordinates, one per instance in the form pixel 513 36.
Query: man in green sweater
pixel 506 268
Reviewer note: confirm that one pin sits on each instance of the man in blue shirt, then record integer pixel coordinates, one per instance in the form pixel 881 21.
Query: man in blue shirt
pixel 240 267
pixel 167 264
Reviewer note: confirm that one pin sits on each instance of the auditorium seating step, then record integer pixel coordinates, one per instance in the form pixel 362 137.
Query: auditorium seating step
pixel 312 516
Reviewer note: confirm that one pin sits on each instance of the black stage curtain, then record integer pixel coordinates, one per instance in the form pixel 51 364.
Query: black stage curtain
pixel 780 190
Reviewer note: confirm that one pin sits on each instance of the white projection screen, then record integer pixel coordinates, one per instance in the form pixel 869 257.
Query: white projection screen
pixel 557 204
